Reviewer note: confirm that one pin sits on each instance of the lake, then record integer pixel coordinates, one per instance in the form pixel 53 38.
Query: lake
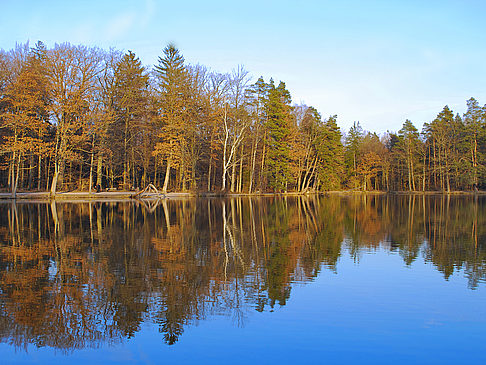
pixel 364 279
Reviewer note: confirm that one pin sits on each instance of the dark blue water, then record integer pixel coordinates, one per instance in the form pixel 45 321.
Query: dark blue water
pixel 337 280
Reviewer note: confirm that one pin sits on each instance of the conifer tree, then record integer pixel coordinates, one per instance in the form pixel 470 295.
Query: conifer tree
pixel 475 124
pixel 330 151
pixel 172 82
pixel 278 125
pixel 409 146
pixel 130 106
pixel 256 96
pixel 353 141
pixel 441 140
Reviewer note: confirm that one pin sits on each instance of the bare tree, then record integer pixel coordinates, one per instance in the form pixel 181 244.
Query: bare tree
pixel 234 122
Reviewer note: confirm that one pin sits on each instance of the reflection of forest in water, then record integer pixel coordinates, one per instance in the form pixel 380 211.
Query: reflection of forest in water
pixel 78 275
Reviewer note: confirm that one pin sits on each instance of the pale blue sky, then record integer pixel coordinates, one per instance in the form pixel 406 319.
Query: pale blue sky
pixel 377 62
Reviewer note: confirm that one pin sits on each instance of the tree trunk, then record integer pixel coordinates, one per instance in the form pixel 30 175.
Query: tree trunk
pixel 58 176
pixel 48 171
pixel 474 163
pixel 155 170
pixel 434 163
pixel 125 152
pixel 167 174
pixel 39 173
pixel 409 168
pixel 423 175
pixel 21 172
pixel 70 184
pixel 99 169
pixel 263 162
pixel 133 170
pixel 233 173
pixel 253 162
pixel 183 174
pixel 413 175
pixel 31 172
pixel 223 184
pixel 91 172
pixel 209 171
pixel 80 184
pixel 144 177
pixel 16 183
pixel 310 173
pixel 225 148
pixel 112 177
pixel 11 174
pixel 240 178
pixel 54 180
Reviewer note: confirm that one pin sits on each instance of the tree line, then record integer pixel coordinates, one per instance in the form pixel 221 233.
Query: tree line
pixel 74 117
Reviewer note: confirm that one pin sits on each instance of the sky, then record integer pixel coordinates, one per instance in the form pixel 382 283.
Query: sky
pixel 376 62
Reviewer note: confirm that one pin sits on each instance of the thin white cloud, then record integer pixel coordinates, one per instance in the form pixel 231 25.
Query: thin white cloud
pixel 119 26
pixel 149 12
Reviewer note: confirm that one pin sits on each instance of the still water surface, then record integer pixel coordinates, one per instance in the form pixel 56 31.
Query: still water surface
pixel 364 279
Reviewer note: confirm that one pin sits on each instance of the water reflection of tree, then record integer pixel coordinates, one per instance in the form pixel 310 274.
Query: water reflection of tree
pixel 78 275
pixel 449 232
pixel 456 234
pixel 40 276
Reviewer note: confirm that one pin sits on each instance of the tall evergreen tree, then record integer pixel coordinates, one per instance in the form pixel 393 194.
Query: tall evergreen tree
pixel 256 96
pixel 441 140
pixel 475 128
pixel 409 146
pixel 330 152
pixel 352 143
pixel 172 82
pixel 130 104
pixel 278 125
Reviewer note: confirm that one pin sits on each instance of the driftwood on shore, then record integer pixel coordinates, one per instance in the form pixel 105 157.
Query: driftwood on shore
pixel 150 192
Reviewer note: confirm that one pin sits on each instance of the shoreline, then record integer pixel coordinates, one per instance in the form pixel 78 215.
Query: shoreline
pixel 130 195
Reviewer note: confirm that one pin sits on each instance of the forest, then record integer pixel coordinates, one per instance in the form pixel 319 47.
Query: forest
pixel 79 118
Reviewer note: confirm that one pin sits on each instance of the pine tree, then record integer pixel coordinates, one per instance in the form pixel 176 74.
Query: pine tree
pixel 256 96
pixel 130 105
pixel 441 140
pixel 278 126
pixel 353 141
pixel 474 122
pixel 330 152
pixel 409 146
pixel 172 82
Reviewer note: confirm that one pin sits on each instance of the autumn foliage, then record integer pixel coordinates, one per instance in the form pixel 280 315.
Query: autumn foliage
pixel 74 117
